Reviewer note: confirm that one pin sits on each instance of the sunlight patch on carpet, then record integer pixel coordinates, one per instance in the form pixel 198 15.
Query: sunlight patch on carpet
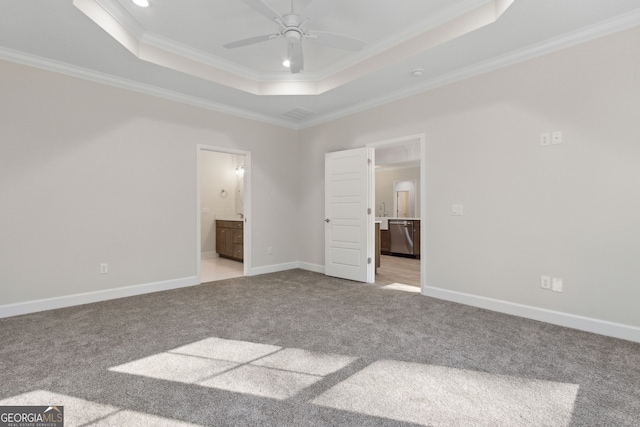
pixel 239 366
pixel 401 287
pixel 437 395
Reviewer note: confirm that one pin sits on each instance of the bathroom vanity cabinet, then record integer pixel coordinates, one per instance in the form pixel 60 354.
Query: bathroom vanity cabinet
pixel 229 239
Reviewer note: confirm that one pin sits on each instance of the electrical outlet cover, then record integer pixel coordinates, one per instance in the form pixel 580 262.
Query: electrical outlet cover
pixel 545 139
pixel 545 282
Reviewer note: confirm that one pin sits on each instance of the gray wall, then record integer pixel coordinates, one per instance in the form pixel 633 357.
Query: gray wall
pixel 91 174
pixel 570 211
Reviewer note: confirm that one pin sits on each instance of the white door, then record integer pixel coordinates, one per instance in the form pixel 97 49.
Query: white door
pixel 349 223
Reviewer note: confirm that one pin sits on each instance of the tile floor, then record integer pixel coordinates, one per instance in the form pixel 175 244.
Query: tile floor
pixel 213 269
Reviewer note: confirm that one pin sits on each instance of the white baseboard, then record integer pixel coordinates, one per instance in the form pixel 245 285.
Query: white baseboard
pixel 588 324
pixel 288 266
pixel 273 268
pixel 316 268
pixel 207 255
pixel 90 297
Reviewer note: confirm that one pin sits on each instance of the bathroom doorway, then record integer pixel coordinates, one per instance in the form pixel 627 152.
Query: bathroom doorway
pixel 223 220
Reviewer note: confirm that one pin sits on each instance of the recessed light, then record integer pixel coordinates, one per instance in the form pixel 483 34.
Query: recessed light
pixel 286 63
pixel 141 3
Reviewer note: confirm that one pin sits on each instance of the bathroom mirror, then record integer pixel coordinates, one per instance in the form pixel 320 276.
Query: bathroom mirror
pixel 404 199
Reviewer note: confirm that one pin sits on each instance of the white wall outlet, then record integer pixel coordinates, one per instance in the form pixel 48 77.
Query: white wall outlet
pixel 556 137
pixel 456 210
pixel 104 268
pixel 270 250
pixel 545 282
pixel 545 139
pixel 556 285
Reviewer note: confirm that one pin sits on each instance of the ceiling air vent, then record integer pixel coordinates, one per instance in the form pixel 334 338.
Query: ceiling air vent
pixel 299 114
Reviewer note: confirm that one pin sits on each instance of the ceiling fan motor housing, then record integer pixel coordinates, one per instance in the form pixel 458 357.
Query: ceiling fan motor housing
pixel 293 35
pixel 292 31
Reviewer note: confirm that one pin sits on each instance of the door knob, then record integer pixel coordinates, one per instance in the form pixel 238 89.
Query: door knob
pixel 327 220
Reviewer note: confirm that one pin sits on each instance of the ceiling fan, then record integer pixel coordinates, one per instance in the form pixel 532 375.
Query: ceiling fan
pixel 293 27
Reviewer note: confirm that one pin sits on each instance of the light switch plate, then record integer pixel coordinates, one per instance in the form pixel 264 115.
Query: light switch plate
pixel 456 210
pixel 556 137
pixel 556 285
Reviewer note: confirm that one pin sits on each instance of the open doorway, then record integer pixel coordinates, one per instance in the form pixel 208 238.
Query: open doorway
pixel 223 233
pixel 400 206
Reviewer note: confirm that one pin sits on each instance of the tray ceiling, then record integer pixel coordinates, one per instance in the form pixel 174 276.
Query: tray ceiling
pixel 174 49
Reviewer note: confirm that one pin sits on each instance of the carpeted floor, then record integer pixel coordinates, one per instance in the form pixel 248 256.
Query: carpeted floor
pixel 298 348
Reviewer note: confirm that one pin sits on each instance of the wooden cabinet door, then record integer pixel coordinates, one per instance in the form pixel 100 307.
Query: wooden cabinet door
pixel 385 242
pixel 221 240
pixel 228 243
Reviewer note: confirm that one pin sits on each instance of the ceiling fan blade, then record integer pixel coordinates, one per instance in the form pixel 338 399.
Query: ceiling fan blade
pixel 251 40
pixel 318 9
pixel 336 40
pixel 296 58
pixel 264 9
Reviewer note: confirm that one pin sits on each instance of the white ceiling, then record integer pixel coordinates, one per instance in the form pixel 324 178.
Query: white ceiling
pixel 59 36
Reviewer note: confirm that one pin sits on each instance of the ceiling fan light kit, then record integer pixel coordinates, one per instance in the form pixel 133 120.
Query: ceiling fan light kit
pixel 292 28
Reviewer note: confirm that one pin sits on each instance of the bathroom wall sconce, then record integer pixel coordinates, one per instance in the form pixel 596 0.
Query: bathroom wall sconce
pixel 240 170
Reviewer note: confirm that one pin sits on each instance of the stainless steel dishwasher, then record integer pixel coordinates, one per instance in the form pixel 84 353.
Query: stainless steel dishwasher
pixel 401 236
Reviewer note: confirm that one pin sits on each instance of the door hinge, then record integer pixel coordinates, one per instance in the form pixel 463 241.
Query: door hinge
pixel 368 211
pixel 368 161
pixel 369 260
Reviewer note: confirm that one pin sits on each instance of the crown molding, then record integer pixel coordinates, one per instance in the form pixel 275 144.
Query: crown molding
pixel 122 17
pixel 592 32
pixel 440 17
pixel 461 18
pixel 605 28
pixel 435 20
pixel 134 86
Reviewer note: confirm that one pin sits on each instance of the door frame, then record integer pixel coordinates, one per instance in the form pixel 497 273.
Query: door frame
pixel 247 206
pixel 421 138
